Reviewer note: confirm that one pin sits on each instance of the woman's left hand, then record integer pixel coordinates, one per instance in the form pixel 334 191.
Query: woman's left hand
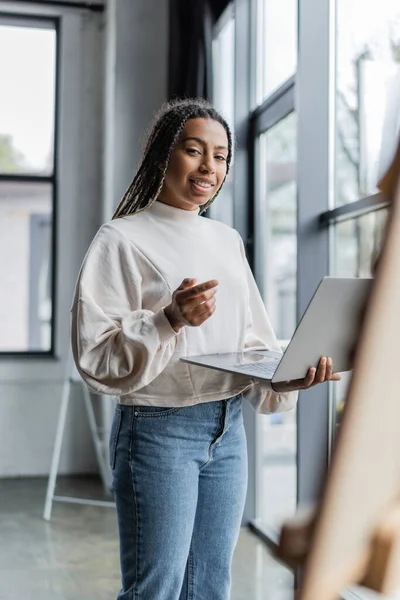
pixel 313 377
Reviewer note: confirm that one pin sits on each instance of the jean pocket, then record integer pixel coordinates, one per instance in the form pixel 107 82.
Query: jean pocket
pixel 155 411
pixel 114 435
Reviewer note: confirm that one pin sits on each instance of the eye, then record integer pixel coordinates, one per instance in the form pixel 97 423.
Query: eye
pixel 221 157
pixel 192 151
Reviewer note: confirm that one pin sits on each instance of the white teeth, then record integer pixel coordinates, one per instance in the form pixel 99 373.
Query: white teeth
pixel 201 183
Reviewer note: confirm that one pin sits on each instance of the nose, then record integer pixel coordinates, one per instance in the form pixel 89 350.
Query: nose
pixel 208 164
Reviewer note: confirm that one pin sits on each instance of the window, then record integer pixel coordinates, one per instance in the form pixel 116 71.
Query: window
pixel 276 45
pixel 367 129
pixel 276 433
pixel 27 183
pixel 367 94
pixel 223 98
pixel 278 205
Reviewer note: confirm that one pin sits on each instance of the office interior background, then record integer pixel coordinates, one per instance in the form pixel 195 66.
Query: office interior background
pixel 311 90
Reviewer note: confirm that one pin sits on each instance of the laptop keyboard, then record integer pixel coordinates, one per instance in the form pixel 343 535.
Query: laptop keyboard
pixel 259 368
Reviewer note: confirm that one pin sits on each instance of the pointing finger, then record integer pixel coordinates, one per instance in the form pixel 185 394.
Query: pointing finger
pixel 200 288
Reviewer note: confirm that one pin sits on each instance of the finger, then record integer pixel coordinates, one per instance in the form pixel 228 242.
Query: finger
pixel 190 303
pixel 199 317
pixel 336 377
pixel 328 373
pixel 203 308
pixel 200 288
pixel 321 371
pixel 188 282
pixel 310 377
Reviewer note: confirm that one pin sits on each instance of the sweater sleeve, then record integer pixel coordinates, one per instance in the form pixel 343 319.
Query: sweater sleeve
pixel 118 346
pixel 260 336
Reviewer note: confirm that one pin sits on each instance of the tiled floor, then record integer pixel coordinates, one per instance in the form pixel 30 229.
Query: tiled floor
pixel 75 555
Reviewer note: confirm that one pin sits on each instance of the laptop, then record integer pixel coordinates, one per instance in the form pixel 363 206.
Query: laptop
pixel 329 327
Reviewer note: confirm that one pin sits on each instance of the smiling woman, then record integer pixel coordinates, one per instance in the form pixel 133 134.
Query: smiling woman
pixel 183 129
pixel 198 165
pixel 146 296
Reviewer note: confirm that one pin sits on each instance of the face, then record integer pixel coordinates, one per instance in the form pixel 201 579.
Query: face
pixel 197 166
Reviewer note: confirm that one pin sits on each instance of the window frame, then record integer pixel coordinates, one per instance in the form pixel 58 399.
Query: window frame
pixel 53 23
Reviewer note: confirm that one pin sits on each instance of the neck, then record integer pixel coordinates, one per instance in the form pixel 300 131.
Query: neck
pixel 187 206
pixel 170 212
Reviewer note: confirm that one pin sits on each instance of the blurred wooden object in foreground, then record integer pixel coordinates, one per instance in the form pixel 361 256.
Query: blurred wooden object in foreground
pixel 353 536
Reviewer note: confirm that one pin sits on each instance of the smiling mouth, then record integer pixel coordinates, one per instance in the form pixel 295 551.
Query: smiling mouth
pixel 205 184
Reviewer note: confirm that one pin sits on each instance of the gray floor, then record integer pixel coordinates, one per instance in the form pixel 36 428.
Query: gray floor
pixel 75 555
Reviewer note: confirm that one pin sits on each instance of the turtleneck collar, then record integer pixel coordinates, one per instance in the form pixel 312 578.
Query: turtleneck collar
pixel 166 211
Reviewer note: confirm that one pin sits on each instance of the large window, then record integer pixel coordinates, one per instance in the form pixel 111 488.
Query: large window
pixel 367 94
pixel 27 183
pixel 306 195
pixel 367 130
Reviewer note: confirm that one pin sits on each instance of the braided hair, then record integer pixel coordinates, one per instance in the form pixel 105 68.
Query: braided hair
pixel 168 126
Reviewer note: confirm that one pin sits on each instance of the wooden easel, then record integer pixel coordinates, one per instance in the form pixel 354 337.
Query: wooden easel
pixel 353 535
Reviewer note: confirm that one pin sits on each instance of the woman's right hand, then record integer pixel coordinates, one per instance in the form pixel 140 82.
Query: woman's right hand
pixel 191 304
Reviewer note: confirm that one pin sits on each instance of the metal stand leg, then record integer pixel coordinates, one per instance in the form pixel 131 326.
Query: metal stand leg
pixel 57 449
pixel 97 434
pixel 98 445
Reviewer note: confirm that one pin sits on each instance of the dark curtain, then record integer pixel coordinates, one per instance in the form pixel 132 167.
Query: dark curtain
pixel 190 46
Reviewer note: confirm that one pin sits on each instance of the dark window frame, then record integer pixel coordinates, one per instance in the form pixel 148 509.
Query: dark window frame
pixel 352 210
pixel 54 23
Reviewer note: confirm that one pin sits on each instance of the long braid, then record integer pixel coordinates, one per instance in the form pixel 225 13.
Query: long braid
pixel 149 179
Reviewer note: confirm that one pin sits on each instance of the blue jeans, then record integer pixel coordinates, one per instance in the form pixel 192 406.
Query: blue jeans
pixel 179 480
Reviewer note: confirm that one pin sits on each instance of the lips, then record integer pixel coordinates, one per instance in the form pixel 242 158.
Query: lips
pixel 203 183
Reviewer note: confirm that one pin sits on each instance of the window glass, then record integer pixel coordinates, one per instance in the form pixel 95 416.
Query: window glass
pixel 25 266
pixel 358 243
pixel 223 99
pixel 27 75
pixel 278 200
pixel 276 435
pixel 276 41
pixel 367 94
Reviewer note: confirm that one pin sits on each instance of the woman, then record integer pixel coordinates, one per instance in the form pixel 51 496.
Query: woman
pixel 159 282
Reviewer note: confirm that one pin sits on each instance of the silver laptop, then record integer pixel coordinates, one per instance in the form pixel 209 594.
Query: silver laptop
pixel 329 327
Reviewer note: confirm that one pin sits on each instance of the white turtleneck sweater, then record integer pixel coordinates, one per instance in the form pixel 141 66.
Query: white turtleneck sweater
pixel 124 345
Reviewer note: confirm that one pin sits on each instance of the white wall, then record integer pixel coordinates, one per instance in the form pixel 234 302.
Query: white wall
pixel 136 82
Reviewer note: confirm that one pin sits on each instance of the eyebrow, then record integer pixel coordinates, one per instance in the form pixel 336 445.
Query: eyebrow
pixel 202 142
